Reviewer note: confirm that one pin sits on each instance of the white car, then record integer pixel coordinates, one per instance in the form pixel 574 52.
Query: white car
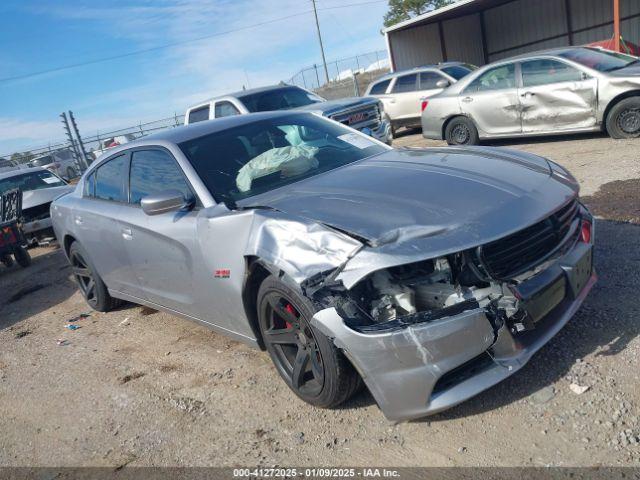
pixel 8 165
pixel 39 188
pixel 402 92
pixel 60 162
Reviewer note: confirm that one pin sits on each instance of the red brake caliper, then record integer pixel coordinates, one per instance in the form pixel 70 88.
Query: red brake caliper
pixel 289 308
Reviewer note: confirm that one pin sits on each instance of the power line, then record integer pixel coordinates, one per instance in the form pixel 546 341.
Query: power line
pixel 174 44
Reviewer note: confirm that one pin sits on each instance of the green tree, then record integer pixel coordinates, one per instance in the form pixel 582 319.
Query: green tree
pixel 400 10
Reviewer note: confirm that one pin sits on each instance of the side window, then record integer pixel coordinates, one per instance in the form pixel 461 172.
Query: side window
pixel 498 78
pixel 428 80
pixel 90 185
pixel 154 171
pixel 380 88
pixel 225 109
pixel 406 83
pixel 199 114
pixel 109 180
pixel 546 71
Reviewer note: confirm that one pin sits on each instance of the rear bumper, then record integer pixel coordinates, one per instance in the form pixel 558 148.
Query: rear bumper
pixel 426 368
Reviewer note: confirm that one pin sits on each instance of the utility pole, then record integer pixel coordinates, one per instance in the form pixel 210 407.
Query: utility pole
pixel 74 147
pixel 85 164
pixel 616 25
pixel 324 60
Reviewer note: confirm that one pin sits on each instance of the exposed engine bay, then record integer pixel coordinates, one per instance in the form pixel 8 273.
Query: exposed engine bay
pixel 425 291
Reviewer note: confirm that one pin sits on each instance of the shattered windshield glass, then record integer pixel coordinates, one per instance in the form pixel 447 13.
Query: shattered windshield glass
pixel 267 154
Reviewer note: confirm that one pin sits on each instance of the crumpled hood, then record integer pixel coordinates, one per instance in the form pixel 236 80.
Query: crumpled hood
pixel 331 106
pixel 33 198
pixel 468 195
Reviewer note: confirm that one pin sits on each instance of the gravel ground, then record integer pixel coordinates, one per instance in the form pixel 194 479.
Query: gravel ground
pixel 138 387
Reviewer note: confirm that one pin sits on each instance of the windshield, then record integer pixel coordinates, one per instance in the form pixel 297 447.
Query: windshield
pixel 459 71
pixel 601 60
pixel 250 159
pixel 279 99
pixel 31 181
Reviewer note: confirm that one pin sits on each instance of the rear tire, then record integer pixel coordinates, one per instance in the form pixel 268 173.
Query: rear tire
pixel 22 257
pixel 623 120
pixel 461 131
pixel 309 363
pixel 89 282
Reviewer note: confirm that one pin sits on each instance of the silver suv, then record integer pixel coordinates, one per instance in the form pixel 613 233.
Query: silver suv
pixel 402 92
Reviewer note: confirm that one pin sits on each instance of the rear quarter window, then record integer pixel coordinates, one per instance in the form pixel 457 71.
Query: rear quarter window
pixel 199 114
pixel 380 88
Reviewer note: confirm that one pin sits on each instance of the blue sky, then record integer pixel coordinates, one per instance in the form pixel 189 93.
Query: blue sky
pixel 37 35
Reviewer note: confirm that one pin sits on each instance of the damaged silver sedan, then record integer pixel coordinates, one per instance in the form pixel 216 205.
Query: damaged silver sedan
pixel 429 275
pixel 563 90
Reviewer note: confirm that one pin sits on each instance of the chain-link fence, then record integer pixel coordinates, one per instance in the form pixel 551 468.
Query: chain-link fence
pixel 343 74
pixel 95 144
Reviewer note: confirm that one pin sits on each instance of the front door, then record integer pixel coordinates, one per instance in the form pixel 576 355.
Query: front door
pixel 556 96
pixel 161 248
pixel 403 103
pixel 492 102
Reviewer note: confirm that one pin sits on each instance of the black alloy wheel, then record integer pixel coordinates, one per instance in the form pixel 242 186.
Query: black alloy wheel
pixel 84 278
pixel 297 354
pixel 309 362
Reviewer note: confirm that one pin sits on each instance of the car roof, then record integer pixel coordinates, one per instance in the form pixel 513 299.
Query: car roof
pixel 549 51
pixel 242 93
pixel 189 132
pixel 21 171
pixel 435 66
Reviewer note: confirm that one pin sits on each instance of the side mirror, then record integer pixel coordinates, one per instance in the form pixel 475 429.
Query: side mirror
pixel 443 83
pixel 163 202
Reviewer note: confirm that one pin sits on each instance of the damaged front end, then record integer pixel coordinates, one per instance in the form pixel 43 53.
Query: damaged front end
pixel 428 335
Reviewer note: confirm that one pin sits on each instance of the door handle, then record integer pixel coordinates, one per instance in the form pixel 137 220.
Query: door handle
pixel 127 234
pixel 528 94
pixel 78 220
pixel 392 100
pixel 467 99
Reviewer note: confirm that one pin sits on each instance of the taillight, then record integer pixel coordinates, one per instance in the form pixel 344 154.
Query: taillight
pixel 585 231
pixel 424 105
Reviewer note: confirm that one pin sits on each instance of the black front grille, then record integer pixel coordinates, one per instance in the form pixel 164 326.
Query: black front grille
pixel 39 212
pixel 526 248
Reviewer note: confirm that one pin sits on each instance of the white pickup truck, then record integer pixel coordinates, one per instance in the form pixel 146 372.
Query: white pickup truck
pixel 365 114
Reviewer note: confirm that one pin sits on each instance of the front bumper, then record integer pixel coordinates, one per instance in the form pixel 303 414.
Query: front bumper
pixel 382 133
pixel 36 225
pixel 426 368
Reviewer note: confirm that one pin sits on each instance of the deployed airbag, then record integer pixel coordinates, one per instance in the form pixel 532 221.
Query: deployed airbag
pixel 290 160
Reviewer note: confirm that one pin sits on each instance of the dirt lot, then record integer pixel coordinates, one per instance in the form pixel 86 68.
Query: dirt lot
pixel 139 387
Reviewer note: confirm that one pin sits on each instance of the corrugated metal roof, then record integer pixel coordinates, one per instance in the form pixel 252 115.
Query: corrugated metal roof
pixel 461 7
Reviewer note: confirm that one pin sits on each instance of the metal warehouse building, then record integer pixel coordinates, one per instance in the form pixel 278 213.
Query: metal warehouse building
pixel 482 31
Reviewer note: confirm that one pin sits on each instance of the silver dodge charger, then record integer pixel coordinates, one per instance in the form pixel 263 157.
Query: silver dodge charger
pixel 429 275
pixel 564 90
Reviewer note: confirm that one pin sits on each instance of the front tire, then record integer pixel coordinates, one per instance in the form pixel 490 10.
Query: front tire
pixel 623 121
pixel 22 256
pixel 308 362
pixel 461 131
pixel 89 282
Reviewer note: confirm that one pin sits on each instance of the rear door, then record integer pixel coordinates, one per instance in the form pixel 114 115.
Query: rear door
pixel 492 101
pixel 402 104
pixel 161 247
pixel 556 96
pixel 98 227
